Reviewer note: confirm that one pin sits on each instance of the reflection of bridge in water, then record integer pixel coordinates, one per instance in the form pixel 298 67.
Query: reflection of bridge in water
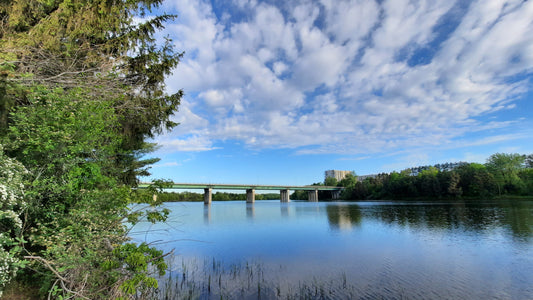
pixel 312 190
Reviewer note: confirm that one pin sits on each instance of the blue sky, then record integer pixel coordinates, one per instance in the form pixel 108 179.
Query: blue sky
pixel 277 92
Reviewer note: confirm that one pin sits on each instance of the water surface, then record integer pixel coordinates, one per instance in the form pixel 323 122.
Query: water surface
pixel 438 250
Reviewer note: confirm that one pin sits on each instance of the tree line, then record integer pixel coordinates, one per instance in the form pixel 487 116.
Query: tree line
pixel 81 90
pixel 502 175
pixel 218 196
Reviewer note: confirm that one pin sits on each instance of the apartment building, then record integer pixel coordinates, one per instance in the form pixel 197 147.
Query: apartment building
pixel 339 175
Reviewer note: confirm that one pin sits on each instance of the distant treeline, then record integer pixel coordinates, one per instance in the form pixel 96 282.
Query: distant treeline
pixel 502 175
pixel 218 196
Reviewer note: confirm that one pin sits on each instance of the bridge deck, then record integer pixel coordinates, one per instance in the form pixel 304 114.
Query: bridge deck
pixel 248 187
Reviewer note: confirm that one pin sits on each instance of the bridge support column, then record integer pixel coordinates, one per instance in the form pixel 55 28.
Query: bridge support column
pixel 335 195
pixel 208 196
pixel 284 195
pixel 313 196
pixel 250 196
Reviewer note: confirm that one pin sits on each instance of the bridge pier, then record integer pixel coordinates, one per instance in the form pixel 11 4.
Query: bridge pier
pixel 284 195
pixel 313 196
pixel 335 195
pixel 250 196
pixel 208 196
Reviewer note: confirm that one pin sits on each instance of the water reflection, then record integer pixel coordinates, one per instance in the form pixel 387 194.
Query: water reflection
pixel 285 209
pixel 379 250
pixel 207 214
pixel 343 217
pixel 515 217
pixel 250 211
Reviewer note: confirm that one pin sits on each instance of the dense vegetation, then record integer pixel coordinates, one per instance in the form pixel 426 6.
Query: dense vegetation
pixel 502 175
pixel 218 196
pixel 81 88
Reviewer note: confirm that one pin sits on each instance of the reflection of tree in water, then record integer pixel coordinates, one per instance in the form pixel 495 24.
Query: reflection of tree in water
pixel 343 216
pixel 515 216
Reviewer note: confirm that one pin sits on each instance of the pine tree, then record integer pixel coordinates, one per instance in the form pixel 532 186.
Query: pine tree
pixel 97 45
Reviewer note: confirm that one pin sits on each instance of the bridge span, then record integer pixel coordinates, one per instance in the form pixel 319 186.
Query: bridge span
pixel 312 190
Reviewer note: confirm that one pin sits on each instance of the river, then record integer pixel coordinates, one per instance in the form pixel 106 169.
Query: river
pixel 347 250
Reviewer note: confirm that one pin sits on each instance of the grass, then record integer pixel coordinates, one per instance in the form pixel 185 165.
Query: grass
pixel 211 279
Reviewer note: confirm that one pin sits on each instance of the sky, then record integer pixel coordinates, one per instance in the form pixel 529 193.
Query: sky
pixel 277 92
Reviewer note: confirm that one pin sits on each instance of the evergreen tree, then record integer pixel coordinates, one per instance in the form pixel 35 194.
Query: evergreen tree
pixel 92 44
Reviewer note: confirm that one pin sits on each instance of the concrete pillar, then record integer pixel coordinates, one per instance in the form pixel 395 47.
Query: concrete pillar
pixel 335 195
pixel 284 195
pixel 208 196
pixel 313 196
pixel 250 196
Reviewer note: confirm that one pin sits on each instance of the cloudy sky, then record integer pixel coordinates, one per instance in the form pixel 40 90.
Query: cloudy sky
pixel 277 92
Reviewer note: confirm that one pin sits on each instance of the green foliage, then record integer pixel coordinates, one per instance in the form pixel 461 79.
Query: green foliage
pixel 95 46
pixel 131 262
pixel 526 176
pixel 505 168
pixel 330 181
pixel 81 88
pixel 348 180
pixel 476 181
pixel 452 180
pixel 60 129
pixel 299 195
pixel 218 196
pixel 76 206
pixel 11 207
pixel 503 174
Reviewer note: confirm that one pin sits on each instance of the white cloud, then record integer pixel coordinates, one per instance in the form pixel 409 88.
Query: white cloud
pixel 188 120
pixel 188 144
pixel 342 76
pixel 167 164
pixel 349 21
pixel 212 97
pixel 279 68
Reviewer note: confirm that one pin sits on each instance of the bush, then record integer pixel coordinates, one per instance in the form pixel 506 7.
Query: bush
pixel 11 208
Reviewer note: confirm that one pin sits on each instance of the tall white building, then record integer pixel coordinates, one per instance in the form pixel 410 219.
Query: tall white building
pixel 339 175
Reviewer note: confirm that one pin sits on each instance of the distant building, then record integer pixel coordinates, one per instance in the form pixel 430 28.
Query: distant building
pixel 363 177
pixel 339 175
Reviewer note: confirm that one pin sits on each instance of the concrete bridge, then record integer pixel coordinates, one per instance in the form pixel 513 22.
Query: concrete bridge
pixel 312 190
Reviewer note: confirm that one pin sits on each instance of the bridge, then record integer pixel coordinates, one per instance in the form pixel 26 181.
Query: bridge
pixel 312 190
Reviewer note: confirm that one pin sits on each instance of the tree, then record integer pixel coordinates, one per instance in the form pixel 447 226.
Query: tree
pixel 428 184
pixel 81 88
pixel 75 205
pixel 330 181
pixel 93 45
pixel 476 180
pixel 529 161
pixel 450 181
pixel 299 195
pixel 526 175
pixel 348 180
pixel 505 168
